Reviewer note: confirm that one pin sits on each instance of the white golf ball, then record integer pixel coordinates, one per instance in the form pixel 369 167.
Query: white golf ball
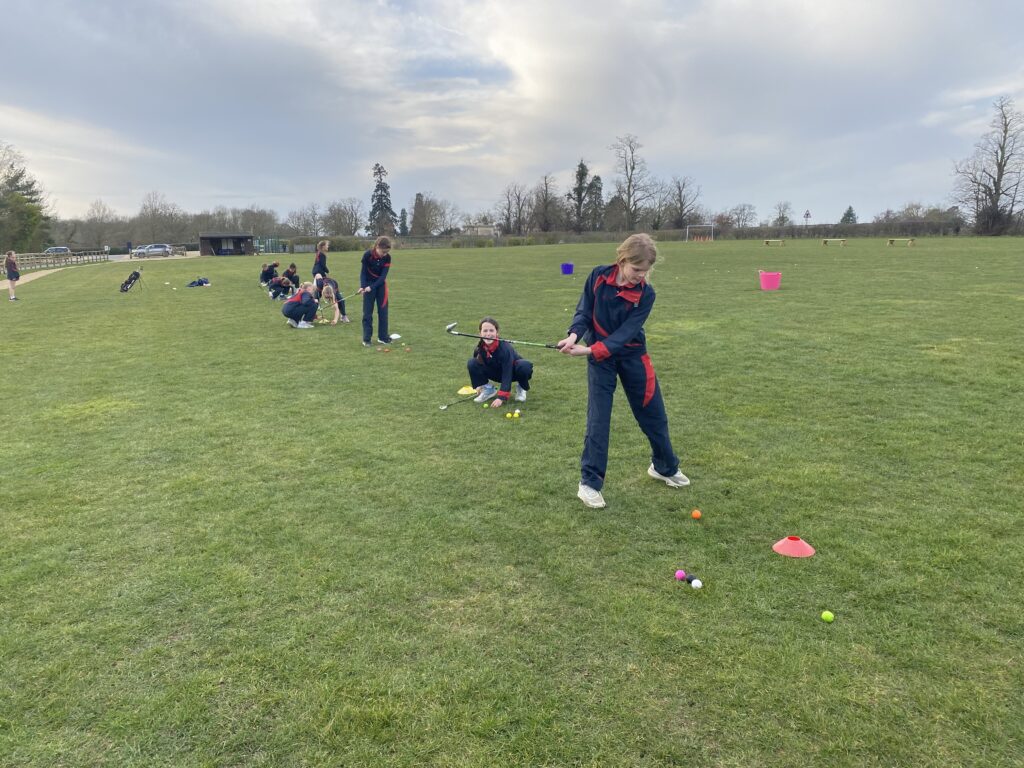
pixel 696 583
pixel 174 289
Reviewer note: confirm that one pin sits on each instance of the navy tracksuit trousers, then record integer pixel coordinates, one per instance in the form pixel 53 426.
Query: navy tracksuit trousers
pixel 379 296
pixel 296 310
pixel 644 395
pixel 522 372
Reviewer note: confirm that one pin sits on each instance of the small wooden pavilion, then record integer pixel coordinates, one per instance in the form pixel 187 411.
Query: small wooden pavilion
pixel 225 244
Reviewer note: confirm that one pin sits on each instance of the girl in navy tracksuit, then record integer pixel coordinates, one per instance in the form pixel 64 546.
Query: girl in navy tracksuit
pixel 610 318
pixel 328 291
pixel 300 309
pixel 496 360
pixel 278 287
pixel 292 273
pixel 374 287
pixel 268 272
pixel 320 260
pixel 13 274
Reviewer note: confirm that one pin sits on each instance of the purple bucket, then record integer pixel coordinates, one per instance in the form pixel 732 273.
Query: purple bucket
pixel 567 269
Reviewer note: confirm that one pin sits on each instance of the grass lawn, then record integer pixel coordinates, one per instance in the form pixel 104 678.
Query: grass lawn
pixel 224 542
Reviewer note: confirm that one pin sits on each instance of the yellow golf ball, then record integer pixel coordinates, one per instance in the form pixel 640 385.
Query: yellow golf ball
pixel 515 415
pixel 827 617
pixel 486 406
pixel 508 415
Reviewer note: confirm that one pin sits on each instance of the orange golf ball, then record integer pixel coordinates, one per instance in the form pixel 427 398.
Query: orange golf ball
pixel 695 514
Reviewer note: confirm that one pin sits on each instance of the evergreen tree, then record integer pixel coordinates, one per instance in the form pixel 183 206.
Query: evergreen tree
pixel 383 220
pixel 578 198
pixel 593 211
pixel 421 224
pixel 403 223
pixel 849 217
pixel 24 224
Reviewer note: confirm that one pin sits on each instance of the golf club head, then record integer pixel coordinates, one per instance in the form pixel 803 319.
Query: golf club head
pixel 395 336
pixel 450 327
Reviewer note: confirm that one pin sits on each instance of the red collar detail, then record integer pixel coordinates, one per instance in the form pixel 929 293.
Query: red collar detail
pixel 630 291
pixel 489 346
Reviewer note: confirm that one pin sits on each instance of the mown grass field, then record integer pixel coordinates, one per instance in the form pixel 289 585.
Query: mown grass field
pixel 224 542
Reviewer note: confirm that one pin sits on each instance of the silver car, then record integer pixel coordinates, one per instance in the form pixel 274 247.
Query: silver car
pixel 156 249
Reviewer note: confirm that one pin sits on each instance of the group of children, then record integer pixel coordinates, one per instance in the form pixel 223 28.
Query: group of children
pixel 607 328
pixel 302 300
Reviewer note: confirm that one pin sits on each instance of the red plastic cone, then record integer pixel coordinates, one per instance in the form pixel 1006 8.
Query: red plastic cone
pixel 793 546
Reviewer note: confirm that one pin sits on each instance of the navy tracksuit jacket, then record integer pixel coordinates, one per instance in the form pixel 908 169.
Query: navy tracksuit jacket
pixel 320 264
pixel 610 320
pixel 373 275
pixel 301 306
pixel 499 361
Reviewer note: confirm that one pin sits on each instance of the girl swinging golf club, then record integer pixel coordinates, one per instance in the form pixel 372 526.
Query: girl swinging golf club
pixel 496 360
pixel 610 317
pixel 373 285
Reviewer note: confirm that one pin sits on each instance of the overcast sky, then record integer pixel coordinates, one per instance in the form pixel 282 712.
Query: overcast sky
pixel 280 103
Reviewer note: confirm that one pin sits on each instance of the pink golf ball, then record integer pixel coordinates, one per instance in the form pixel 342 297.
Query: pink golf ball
pixel 680 575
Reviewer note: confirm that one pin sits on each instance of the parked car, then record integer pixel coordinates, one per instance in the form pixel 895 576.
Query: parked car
pixel 57 249
pixel 156 249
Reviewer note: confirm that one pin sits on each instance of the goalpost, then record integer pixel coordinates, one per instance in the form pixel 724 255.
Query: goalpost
pixel 707 235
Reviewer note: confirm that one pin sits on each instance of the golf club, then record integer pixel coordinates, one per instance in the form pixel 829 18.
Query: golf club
pixel 446 406
pixel 450 328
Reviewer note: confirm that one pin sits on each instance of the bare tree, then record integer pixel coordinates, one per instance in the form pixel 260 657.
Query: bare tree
pixel 685 194
pixel 658 212
pixel 743 215
pixel 988 182
pixel 547 212
pixel 344 217
pixel 783 214
pixel 449 217
pixel 513 210
pixel 634 184
pixel 306 220
pixel 159 220
pixel 100 221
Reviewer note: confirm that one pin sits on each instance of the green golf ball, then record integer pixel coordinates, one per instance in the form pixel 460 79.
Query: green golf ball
pixel 827 617
pixel 486 406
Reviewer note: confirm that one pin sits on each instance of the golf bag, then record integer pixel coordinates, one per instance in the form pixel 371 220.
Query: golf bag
pixel 132 279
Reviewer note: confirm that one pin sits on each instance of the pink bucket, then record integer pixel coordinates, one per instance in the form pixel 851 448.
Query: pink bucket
pixel 770 280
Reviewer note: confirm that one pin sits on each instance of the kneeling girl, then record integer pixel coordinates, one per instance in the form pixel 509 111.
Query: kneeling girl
pixel 497 360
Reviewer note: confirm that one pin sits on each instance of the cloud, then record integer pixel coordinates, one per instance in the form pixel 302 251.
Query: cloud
pixel 282 102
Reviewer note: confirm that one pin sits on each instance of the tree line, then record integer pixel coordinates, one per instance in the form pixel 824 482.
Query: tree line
pixel 986 194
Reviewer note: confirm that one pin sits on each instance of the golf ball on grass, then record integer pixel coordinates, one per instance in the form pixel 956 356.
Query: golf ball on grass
pixel 486 406
pixel 680 575
pixel 695 514
pixel 508 415
pixel 515 415
pixel 828 617
pixel 696 583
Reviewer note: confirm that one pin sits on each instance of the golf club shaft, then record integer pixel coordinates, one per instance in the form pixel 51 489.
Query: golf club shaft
pixel 446 406
pixel 510 341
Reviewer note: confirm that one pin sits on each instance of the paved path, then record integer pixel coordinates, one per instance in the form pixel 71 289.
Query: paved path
pixel 28 277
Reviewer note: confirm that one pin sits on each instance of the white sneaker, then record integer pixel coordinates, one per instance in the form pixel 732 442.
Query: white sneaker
pixel 270 294
pixel 678 480
pixel 292 323
pixel 487 391
pixel 304 324
pixel 520 394
pixel 590 497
